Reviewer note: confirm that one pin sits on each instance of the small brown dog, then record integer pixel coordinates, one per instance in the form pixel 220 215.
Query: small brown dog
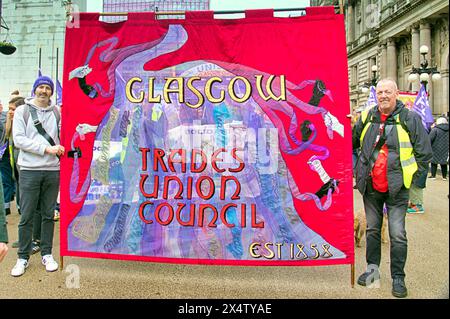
pixel 360 225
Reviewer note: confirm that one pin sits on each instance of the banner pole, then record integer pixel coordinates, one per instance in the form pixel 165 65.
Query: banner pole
pixel 352 274
pixel 157 13
pixel 341 6
pixel 61 263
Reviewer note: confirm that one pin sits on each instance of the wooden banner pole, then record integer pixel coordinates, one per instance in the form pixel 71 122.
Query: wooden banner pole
pixel 341 6
pixel 352 274
pixel 61 263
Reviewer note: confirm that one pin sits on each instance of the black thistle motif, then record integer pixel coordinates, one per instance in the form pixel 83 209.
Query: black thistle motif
pixel 318 93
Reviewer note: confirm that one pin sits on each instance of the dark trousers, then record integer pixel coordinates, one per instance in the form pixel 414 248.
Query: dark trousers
pixel 9 186
pixel 37 223
pixel 38 189
pixel 443 169
pixel 396 212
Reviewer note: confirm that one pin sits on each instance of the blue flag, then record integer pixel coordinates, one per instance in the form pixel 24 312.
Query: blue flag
pixel 422 107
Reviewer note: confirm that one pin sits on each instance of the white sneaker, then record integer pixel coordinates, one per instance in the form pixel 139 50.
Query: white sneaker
pixel 49 263
pixel 19 268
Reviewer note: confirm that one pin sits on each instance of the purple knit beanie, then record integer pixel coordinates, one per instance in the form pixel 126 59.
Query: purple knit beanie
pixel 43 80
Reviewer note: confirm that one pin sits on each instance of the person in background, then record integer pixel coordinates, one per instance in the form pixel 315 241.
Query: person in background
pixel 439 143
pixel 3 229
pixel 355 152
pixel 9 187
pixel 15 102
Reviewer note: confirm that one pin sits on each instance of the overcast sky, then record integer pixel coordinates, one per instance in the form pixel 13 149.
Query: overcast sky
pixel 96 5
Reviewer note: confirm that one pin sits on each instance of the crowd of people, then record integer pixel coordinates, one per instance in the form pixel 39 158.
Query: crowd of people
pixel 395 152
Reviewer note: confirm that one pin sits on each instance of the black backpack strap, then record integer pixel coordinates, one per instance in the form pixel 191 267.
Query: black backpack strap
pixel 39 127
pixel 376 150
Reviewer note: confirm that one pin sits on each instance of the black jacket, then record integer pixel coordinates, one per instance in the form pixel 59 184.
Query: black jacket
pixel 439 144
pixel 417 134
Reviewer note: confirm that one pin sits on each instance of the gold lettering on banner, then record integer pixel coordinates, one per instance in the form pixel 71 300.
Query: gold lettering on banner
pixel 285 251
pixel 208 92
pixel 197 93
pixel 301 251
pixel 269 92
pixel 128 91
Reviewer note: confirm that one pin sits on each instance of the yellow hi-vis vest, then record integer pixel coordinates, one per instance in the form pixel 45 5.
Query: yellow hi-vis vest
pixel 407 159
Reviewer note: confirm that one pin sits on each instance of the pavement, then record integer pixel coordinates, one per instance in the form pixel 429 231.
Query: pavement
pixel 427 270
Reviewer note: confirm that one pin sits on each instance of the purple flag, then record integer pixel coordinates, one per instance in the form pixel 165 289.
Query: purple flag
pixel 422 108
pixel 58 92
pixel 372 100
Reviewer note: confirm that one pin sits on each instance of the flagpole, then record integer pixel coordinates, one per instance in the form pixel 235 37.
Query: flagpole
pixel 352 275
pixel 39 61
pixel 57 59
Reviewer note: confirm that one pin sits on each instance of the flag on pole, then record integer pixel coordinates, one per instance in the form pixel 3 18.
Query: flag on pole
pixel 422 107
pixel 371 101
pixel 58 92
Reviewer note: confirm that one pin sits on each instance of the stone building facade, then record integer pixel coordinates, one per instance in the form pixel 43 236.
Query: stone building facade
pixel 388 34
pixel 37 28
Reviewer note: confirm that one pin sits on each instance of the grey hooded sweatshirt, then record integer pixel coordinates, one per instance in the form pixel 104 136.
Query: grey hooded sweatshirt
pixel 32 145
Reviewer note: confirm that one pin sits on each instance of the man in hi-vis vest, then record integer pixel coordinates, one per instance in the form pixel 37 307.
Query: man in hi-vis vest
pixel 395 150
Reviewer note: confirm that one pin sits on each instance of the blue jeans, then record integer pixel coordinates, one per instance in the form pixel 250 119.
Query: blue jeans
pixel 396 212
pixel 39 189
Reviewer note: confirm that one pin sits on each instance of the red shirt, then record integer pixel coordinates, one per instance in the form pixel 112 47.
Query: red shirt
pixel 379 171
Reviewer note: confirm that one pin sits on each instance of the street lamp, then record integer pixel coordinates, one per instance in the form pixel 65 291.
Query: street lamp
pixel 423 73
pixel 373 81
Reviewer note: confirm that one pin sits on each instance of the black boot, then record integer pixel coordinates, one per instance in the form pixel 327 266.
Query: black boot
pixel 399 288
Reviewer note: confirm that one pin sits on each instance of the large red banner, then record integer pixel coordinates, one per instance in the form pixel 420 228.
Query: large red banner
pixel 211 141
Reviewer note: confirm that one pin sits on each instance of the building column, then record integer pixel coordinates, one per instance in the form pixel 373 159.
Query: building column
pixel 391 71
pixel 383 61
pixel 415 52
pixel 363 17
pixel 350 21
pixel 443 105
pixel 425 39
